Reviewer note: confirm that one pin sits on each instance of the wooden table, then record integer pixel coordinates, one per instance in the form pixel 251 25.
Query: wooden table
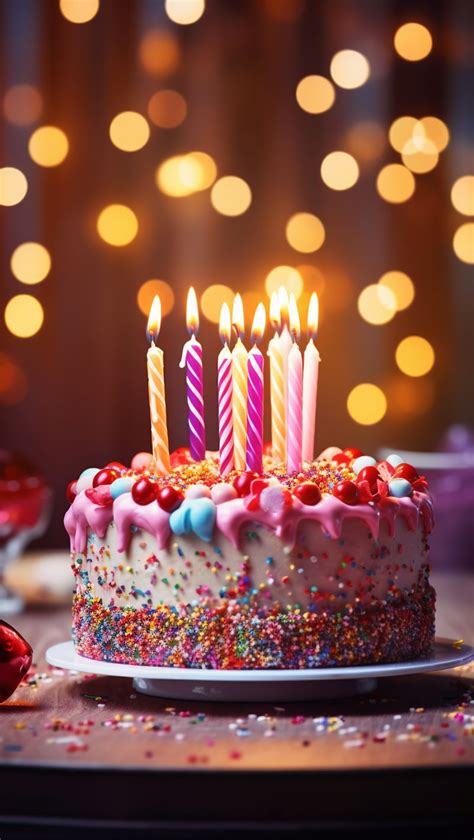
pixel 88 753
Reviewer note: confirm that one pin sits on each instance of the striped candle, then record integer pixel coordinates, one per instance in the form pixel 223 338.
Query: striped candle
pixel 156 392
pixel 192 359
pixel 224 388
pixel 277 388
pixel 239 389
pixel 310 380
pixel 254 456
pixel 294 436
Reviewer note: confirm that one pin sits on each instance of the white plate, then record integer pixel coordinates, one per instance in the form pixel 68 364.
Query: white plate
pixel 259 685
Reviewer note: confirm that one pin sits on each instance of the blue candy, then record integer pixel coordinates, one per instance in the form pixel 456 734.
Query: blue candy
pixel 194 516
pixel 394 460
pixel 121 485
pixel 84 482
pixel 361 462
pixel 400 488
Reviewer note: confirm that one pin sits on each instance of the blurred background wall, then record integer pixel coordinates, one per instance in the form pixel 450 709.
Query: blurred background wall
pixel 232 145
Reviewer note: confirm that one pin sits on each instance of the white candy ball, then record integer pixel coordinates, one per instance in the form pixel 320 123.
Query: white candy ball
pixel 198 491
pixel 363 461
pixel 394 460
pixel 223 493
pixel 84 482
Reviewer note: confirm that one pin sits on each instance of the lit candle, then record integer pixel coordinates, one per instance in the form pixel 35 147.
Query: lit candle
pixel 277 387
pixel 156 391
pixel 255 395
pixel 224 386
pixel 192 359
pixel 294 429
pixel 310 380
pixel 239 383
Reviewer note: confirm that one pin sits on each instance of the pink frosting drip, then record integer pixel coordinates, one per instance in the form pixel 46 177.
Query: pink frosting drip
pixel 330 513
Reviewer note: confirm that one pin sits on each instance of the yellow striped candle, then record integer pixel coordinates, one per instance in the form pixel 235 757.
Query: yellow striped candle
pixel 239 389
pixel 156 391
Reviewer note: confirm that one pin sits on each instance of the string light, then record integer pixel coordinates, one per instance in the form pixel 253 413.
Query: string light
pixel 48 146
pixel 377 304
pixel 315 94
pixel 284 275
pixel 24 316
pixel 159 52
pixel 231 196
pixel 305 232
pixel 30 263
pixel 415 356
pixel 22 104
pixel 401 287
pixel 79 11
pixel 167 108
pixel 184 12
pixel 463 242
pixel 182 175
pixel 129 131
pixel 413 41
pixel 13 186
pixel 117 225
pixel 349 69
pixel 395 183
pixel 339 171
pixel 462 195
pixel 212 299
pixel 367 404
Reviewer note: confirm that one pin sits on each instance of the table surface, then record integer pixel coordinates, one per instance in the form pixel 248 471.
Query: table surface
pixel 58 722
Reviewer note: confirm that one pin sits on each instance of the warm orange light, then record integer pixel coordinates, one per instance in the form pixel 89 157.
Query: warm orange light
pixel 284 304
pixel 154 321
pixel 313 316
pixel 192 312
pixel 295 327
pixel 238 315
pixel 224 324
pixel 275 319
pixel 258 324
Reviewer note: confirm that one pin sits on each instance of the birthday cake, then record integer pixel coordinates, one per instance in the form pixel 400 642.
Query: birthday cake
pixel 327 566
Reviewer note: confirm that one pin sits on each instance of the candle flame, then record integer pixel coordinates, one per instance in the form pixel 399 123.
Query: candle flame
pixel 275 312
pixel 154 321
pixel 259 323
pixel 283 301
pixel 192 312
pixel 224 324
pixel 238 316
pixel 295 328
pixel 313 316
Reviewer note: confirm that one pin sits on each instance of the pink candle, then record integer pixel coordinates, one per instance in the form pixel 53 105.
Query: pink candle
pixel 310 380
pixel 254 459
pixel 224 386
pixel 294 436
pixel 192 359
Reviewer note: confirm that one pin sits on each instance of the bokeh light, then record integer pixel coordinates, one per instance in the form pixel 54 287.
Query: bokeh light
pixel 401 287
pixel 48 146
pixel 463 242
pixel 212 299
pixel 167 108
pixel 284 275
pixel 305 232
pixel 401 131
pixel 395 183
pixel 315 94
pixel 413 41
pixel 13 186
pixel 147 292
pixel 250 302
pixel 367 404
pixel 30 263
pixel 117 225
pixel 339 171
pixel 365 140
pixel 420 156
pixel 13 384
pixel 377 304
pixel 231 196
pixel 184 12
pixel 462 195
pixel 409 397
pixel 79 11
pixel 129 131
pixel 23 316
pixel 183 175
pixel 349 69
pixel 22 104
pixel 159 52
pixel 414 356
pixel 436 130
pixel 313 278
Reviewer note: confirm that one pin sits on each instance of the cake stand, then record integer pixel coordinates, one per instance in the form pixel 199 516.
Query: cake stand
pixel 260 685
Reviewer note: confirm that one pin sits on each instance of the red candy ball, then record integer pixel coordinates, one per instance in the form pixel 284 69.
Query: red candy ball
pixel 308 493
pixel 243 482
pixel 258 484
pixel 352 452
pixel 406 471
pixel 115 465
pixel 347 492
pixel 181 457
pixel 71 491
pixel 144 491
pixel 169 498
pixel 370 474
pixel 105 476
pixel 340 458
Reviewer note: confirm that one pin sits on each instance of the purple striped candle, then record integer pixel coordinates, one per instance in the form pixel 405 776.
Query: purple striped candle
pixel 226 427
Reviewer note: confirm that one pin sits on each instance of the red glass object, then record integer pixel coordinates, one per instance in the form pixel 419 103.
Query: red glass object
pixel 340 458
pixel 180 457
pixel 347 492
pixel 100 495
pixel 144 491
pixel 169 498
pixel 15 659
pixel 308 493
pixel 406 471
pixel 243 482
pixel 105 476
pixel 116 465
pixel 71 491
pixel 369 474
pixel 352 452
